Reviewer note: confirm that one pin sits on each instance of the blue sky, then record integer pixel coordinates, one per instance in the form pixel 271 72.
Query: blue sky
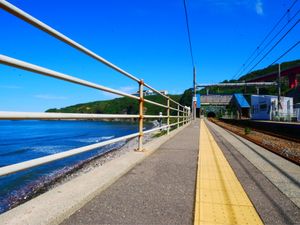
pixel 145 38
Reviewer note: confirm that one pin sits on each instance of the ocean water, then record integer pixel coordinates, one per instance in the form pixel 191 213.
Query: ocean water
pixel 25 140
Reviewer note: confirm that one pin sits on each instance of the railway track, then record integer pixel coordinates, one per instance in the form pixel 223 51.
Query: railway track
pixel 275 143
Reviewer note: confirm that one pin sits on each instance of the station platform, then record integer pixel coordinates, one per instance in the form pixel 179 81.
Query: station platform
pixel 203 175
pixel 220 198
pixel 160 190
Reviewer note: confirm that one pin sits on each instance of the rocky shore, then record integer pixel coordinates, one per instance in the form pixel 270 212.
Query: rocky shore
pixel 69 172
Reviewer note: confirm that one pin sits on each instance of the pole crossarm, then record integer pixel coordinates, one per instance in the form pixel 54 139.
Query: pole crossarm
pixel 249 84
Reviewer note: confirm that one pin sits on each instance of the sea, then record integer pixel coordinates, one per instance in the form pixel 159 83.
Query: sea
pixel 24 140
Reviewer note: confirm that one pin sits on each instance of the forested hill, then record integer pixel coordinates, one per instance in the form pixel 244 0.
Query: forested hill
pixel 126 105
pixel 122 105
pixel 266 91
pixel 270 69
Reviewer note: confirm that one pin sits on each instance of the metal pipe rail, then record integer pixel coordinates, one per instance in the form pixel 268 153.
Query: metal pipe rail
pixel 53 32
pixel 62 116
pixel 183 113
pixel 6 170
pixel 44 27
pixel 51 73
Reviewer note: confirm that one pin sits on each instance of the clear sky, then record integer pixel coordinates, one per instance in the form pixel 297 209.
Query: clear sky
pixel 147 38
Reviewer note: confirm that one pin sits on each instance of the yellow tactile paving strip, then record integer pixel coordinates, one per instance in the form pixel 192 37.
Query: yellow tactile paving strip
pixel 220 198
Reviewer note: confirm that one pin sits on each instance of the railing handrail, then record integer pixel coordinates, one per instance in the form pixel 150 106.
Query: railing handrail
pixel 6 170
pixel 9 61
pixel 53 32
pixel 42 26
pixel 51 73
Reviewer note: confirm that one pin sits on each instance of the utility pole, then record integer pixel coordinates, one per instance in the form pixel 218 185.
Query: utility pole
pixel 195 96
pixel 278 89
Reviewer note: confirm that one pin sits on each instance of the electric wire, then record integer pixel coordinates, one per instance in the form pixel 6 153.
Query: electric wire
pixel 189 33
pixel 286 52
pixel 241 70
pixel 267 45
pixel 274 45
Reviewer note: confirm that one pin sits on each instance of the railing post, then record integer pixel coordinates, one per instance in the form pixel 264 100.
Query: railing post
pixel 183 116
pixel 168 114
pixel 178 116
pixel 141 115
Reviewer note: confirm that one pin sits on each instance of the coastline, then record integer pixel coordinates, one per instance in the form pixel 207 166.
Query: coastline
pixel 67 173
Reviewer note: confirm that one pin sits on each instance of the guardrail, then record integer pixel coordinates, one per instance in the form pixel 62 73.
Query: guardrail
pixel 183 113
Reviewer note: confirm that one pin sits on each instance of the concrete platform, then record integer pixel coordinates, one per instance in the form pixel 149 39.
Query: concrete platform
pixel 271 182
pixel 159 186
pixel 220 198
pixel 59 203
pixel 160 190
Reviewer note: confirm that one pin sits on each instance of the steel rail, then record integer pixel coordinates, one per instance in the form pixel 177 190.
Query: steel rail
pixel 154 116
pixel 51 73
pixel 178 116
pixel 155 103
pixel 173 124
pixel 155 129
pixel 44 27
pixel 172 100
pixel 14 168
pixel 6 170
pixel 77 116
pixel 158 92
pixel 4 115
pixel 174 109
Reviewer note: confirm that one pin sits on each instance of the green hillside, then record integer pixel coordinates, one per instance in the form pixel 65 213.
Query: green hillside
pixel 266 91
pixel 122 105
pixel 269 69
pixel 126 105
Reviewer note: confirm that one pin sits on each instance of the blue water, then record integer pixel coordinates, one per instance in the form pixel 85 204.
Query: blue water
pixel 25 140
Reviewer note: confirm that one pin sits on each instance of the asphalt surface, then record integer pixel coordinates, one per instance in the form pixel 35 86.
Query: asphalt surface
pixel 160 190
pixel 273 203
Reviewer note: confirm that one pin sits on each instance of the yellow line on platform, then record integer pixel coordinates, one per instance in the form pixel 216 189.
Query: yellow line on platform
pixel 220 198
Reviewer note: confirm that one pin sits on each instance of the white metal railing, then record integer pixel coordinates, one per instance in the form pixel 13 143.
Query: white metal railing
pixel 183 113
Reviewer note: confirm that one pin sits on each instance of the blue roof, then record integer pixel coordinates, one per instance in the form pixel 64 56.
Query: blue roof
pixel 198 101
pixel 242 102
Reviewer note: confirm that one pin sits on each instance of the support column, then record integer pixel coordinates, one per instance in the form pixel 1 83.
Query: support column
pixel 168 114
pixel 178 114
pixel 141 115
pixel 278 89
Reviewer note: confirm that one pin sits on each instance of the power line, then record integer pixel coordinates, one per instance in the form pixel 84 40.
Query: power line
pixel 274 45
pixel 262 42
pixel 189 34
pixel 286 52
pixel 275 36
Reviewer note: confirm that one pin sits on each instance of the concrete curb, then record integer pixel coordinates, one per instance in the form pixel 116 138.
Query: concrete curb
pixel 59 203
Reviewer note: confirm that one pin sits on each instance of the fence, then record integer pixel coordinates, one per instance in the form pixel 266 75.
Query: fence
pixel 183 113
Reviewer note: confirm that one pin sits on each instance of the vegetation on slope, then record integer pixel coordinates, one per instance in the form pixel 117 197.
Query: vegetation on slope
pixel 264 91
pixel 126 105
pixel 269 69
pixel 122 105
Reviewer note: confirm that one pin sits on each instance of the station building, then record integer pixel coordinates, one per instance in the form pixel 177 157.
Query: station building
pixel 264 107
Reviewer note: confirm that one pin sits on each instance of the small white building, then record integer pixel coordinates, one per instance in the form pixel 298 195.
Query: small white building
pixel 264 107
pixel 297 111
pixel 164 92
